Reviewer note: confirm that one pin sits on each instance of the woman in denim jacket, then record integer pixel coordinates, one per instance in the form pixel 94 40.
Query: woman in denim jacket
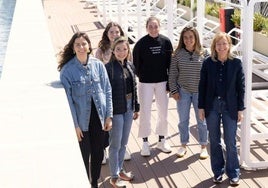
pixel 88 91
pixel 125 108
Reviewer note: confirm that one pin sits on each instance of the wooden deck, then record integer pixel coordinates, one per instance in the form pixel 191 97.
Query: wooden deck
pixel 159 170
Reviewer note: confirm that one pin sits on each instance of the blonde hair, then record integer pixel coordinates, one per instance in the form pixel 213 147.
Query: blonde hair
pixel 217 37
pixel 117 41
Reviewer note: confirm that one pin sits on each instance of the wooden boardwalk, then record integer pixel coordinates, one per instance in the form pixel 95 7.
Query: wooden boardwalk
pixel 64 17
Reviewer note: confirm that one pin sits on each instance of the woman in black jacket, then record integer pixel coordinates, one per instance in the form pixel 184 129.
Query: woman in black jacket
pixel 221 100
pixel 125 108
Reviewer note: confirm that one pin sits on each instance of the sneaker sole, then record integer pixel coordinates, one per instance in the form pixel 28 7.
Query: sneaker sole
pixel 181 155
pixel 115 186
pixel 202 158
pixel 217 182
pixel 234 183
pixel 126 178
pixel 165 151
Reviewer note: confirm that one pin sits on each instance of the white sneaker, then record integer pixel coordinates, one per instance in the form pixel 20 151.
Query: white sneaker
pixel 117 183
pixel 104 160
pixel 203 153
pixel 181 152
pixel 127 156
pixel 164 146
pixel 145 151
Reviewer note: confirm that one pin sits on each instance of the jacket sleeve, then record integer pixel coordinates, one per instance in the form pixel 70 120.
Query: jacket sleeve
pixel 169 57
pixel 68 90
pixel 240 87
pixel 173 75
pixel 136 103
pixel 136 58
pixel 202 86
pixel 108 92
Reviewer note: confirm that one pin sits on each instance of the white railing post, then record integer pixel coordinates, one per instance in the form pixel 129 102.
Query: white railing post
pixel 247 58
pixel 125 20
pixel 169 5
pixel 246 14
pixel 104 14
pixel 139 19
pixel 200 18
pixel 119 15
pixel 192 8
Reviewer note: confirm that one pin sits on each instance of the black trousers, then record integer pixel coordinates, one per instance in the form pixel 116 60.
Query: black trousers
pixel 92 145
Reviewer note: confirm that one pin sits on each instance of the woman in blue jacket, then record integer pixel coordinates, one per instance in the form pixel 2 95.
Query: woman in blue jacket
pixel 89 94
pixel 221 100
pixel 125 108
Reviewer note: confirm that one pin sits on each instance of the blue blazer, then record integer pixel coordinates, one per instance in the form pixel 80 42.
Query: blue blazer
pixel 235 86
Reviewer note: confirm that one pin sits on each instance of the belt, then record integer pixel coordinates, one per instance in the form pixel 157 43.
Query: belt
pixel 129 96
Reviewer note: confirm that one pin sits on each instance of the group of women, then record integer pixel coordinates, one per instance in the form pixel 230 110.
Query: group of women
pixel 104 96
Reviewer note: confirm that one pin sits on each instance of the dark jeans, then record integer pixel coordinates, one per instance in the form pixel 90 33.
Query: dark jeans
pixel 219 163
pixel 92 145
pixel 106 140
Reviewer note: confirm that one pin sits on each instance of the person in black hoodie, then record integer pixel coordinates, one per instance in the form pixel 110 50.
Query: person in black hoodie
pixel 125 108
pixel 151 58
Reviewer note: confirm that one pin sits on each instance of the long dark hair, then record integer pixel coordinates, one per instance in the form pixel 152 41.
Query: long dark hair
pixel 105 43
pixel 68 51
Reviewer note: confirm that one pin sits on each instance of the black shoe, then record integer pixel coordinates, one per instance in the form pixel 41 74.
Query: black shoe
pixel 217 179
pixel 234 181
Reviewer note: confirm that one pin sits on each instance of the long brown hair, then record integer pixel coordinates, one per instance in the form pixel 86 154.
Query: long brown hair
pixel 197 45
pixel 68 51
pixel 105 43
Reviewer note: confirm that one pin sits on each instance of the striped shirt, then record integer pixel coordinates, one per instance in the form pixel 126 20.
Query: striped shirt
pixel 185 71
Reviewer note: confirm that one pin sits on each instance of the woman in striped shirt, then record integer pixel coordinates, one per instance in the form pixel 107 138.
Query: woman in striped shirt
pixel 183 82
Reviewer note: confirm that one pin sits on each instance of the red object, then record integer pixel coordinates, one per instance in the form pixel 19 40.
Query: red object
pixel 225 19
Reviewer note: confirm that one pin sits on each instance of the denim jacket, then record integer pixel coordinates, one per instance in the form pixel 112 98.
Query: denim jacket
pixel 84 84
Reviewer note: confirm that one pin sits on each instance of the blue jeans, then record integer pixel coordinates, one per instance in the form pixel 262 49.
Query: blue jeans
pixel 183 109
pixel 119 135
pixel 218 114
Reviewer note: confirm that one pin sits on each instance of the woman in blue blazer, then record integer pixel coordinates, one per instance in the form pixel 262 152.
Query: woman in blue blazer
pixel 221 100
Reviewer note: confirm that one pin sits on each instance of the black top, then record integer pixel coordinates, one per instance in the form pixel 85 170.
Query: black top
pixel 152 57
pixel 121 85
pixel 221 79
pixel 234 80
pixel 128 80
